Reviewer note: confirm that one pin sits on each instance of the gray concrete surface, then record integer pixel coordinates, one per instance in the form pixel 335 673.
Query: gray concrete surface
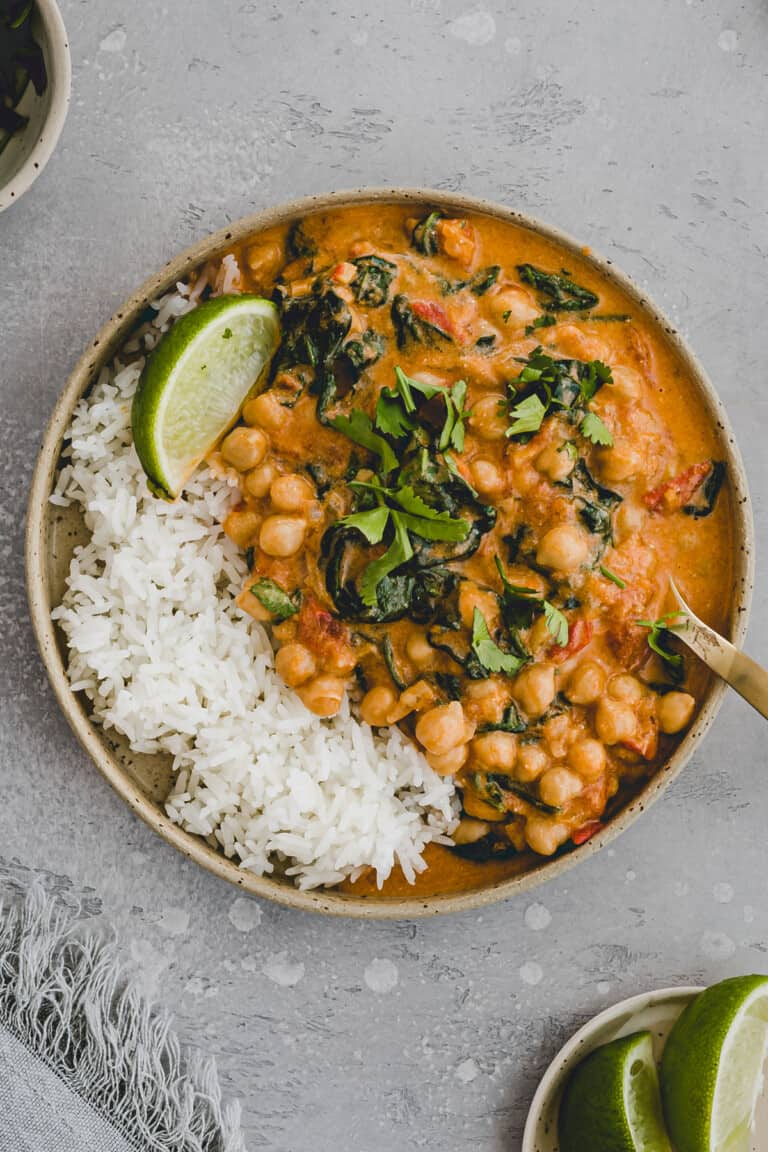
pixel 641 129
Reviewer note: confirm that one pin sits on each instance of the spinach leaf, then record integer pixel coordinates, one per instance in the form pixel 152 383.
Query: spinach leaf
pixel 511 721
pixel 478 284
pixel 298 245
pixel 373 280
pixel 708 492
pixel 361 354
pixel 545 321
pixel 314 328
pixel 275 599
pixel 389 659
pixel 424 235
pixel 558 292
pixel 408 326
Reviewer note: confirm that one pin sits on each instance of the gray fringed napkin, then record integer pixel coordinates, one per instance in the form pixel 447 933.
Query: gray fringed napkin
pixel 85 1064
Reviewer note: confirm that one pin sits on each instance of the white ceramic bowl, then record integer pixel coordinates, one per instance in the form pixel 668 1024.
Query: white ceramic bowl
pixel 28 151
pixel 654 1012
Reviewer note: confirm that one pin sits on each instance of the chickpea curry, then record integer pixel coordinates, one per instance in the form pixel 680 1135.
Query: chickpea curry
pixel 470 474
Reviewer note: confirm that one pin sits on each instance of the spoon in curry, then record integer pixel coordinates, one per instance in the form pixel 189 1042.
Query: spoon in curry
pixel 737 669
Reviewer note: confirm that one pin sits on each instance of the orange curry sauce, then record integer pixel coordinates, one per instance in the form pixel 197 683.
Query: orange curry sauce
pixel 557 488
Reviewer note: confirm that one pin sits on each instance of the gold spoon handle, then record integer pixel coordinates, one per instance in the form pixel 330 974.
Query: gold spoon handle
pixel 743 674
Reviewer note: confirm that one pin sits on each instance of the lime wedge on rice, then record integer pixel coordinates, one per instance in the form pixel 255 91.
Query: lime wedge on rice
pixel 195 383
pixel 611 1102
pixel 712 1068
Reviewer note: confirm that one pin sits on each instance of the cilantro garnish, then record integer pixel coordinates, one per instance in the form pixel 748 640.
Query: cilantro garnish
pixel 528 415
pixel 558 384
pixel 556 623
pixel 396 410
pixel 275 599
pixel 617 580
pixel 357 426
pixel 593 428
pixel 658 630
pixel 490 656
pixel 520 605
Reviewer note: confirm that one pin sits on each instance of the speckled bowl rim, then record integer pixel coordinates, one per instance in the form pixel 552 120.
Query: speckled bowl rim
pixel 195 848
pixel 60 82
pixel 583 1042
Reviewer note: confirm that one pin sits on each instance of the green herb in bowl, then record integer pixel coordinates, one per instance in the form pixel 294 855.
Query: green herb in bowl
pixel 21 63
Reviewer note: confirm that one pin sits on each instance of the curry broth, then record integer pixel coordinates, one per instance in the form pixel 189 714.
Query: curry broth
pixel 596 711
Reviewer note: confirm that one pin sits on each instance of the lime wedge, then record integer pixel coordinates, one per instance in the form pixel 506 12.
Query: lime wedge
pixel 611 1102
pixel 712 1068
pixel 195 382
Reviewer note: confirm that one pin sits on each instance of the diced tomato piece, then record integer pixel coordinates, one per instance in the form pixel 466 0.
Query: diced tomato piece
pixel 324 635
pixel 645 741
pixel 629 643
pixel 674 494
pixel 456 238
pixel 344 273
pixel 587 831
pixel 579 635
pixel 435 314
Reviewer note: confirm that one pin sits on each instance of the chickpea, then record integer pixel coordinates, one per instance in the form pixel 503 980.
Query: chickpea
pixel 531 762
pixel 558 734
pixel 534 688
pixel 486 699
pixel 418 649
pixel 244 448
pixel 323 695
pixel 587 758
pixel 489 417
pixel 441 728
pixel 555 463
pixel 622 462
pixel 264 260
pixel 470 831
pixel 264 410
pixel 242 526
pixel 495 749
pixel 471 596
pixel 377 704
pixel 415 698
pixel 545 835
pixel 614 721
pixel 449 763
pixel 295 664
pixel 557 786
pixel 564 547
pixel 629 518
pixel 513 306
pixel 291 492
pixel 486 477
pixel 586 683
pixel 675 711
pixel 626 687
pixel 282 535
pixel 257 483
pixel 539 635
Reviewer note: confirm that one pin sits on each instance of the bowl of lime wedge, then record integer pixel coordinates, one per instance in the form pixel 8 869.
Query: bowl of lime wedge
pixel 676 1070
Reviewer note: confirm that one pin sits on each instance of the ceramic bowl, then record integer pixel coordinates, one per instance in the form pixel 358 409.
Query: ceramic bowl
pixel 144 781
pixel 654 1012
pixel 28 151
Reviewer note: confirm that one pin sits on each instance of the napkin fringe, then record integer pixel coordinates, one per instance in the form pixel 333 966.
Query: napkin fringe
pixel 63 996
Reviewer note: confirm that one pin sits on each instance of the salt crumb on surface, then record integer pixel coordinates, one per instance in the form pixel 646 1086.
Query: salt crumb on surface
pixel 467 1071
pixel 537 917
pixel 728 40
pixel 531 973
pixel 631 875
pixel 717 946
pixel 603 987
pixel 723 893
pixel 513 46
pixel 280 970
pixel 476 27
pixel 115 40
pixel 749 913
pixel 681 888
pixel 174 921
pixel 245 914
pixel 381 976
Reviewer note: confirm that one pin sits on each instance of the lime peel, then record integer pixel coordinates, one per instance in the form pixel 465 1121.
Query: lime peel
pixel 195 383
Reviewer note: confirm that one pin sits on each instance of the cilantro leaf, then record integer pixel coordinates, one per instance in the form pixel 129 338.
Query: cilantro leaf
pixel 592 376
pixel 371 523
pixel 357 427
pixel 556 623
pixel 528 415
pixel 545 321
pixel 399 552
pixel 455 438
pixel 390 416
pixel 657 632
pixel 592 428
pixel 407 385
pixel 488 653
pixel 617 580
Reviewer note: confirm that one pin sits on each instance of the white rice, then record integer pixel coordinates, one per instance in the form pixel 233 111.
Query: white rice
pixel 160 648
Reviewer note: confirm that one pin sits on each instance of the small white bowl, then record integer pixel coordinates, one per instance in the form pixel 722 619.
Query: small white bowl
pixel 28 151
pixel 653 1012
